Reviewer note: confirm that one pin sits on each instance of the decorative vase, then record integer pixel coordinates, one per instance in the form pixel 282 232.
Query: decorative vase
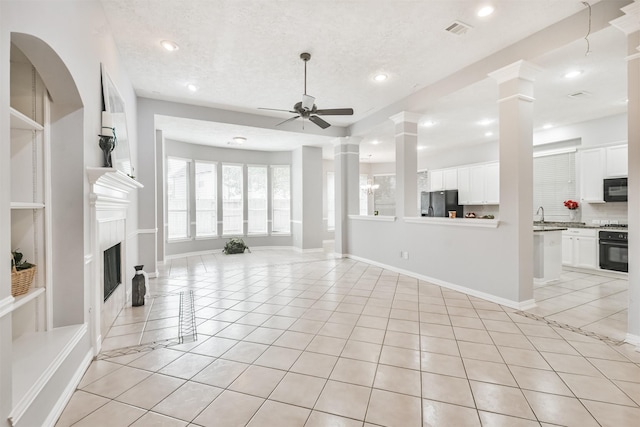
pixel 107 144
pixel 573 215
pixel 138 286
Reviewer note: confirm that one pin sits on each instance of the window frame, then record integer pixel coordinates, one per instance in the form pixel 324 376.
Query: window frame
pixel 189 167
pixel 216 234
pixel 243 190
pixel 267 200
pixel 272 199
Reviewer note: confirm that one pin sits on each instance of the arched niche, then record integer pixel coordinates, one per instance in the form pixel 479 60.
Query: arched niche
pixel 65 130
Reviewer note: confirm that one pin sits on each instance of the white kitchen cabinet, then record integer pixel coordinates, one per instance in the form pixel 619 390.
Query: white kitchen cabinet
pixel 592 164
pixel 580 247
pixel 479 184
pixel 616 161
pixel 443 179
pixel 464 189
pixel 492 184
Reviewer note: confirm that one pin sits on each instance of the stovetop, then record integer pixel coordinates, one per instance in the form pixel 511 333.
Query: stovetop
pixel 614 226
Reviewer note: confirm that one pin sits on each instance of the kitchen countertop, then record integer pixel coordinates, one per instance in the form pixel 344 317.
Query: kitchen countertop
pixel 565 225
pixel 540 228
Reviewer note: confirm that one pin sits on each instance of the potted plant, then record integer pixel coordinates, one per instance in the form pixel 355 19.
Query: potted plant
pixel 573 206
pixel 22 273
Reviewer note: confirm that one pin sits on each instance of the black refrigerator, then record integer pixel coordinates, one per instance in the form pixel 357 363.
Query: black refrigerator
pixel 439 203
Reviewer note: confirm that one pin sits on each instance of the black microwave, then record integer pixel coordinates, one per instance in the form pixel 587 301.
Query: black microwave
pixel 615 190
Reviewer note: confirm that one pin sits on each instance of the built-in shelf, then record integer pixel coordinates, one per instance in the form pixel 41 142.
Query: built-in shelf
pixel 21 300
pixel 26 205
pixel 20 121
pixel 36 358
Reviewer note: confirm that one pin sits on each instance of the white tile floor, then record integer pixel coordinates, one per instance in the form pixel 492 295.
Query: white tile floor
pixel 288 339
pixel 595 302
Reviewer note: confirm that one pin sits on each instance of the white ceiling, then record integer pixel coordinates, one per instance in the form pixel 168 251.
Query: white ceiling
pixel 244 54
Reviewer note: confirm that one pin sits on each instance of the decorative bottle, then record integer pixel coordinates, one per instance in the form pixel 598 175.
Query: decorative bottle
pixel 138 286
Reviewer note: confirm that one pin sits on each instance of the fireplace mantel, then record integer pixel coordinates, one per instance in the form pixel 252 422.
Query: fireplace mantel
pixel 113 179
pixel 109 207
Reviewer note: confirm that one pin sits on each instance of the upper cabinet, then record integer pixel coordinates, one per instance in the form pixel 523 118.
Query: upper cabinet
pixel 617 164
pixel 596 164
pixel 443 179
pixel 479 184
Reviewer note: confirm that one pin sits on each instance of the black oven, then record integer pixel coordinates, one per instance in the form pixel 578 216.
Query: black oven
pixel 615 190
pixel 614 251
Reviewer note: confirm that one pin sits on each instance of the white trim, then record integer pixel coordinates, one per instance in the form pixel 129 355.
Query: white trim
pixel 6 306
pixel 524 305
pixel 554 152
pixel 406 116
pixel 29 296
pixel 519 96
pixel 340 153
pixel 66 395
pixel 633 340
pixel 88 259
pixel 518 70
pixel 27 400
pixel 406 134
pixel 456 222
pixel 383 218
pixel 147 230
pixel 632 57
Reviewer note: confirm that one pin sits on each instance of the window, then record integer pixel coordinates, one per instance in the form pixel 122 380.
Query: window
pixel 364 194
pixel 384 198
pixel 257 199
pixel 331 200
pixel 554 179
pixel 281 194
pixel 177 198
pixel 232 199
pixel 206 200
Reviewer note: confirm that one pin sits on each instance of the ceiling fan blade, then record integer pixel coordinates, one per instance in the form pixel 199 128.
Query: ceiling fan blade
pixel 276 109
pixel 317 120
pixel 288 120
pixel 336 112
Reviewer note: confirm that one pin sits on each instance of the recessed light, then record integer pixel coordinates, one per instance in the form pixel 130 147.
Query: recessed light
pixel 485 122
pixel 547 126
pixel 429 123
pixel 572 74
pixel 485 11
pixel 192 87
pixel 488 134
pixel 375 142
pixel 239 139
pixel 169 45
pixel 421 147
pixel 380 77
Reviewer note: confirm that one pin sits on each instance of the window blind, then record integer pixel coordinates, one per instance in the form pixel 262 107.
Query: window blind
pixel 206 199
pixel 177 198
pixel 232 200
pixel 257 199
pixel 554 181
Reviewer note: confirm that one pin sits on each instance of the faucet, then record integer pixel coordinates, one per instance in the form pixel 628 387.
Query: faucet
pixel 542 216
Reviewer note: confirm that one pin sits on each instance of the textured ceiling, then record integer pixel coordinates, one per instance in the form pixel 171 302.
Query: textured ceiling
pixel 244 54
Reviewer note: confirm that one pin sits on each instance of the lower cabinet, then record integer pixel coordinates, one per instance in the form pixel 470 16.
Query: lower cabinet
pixel 580 247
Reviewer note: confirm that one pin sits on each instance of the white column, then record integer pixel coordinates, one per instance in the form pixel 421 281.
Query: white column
pixel 406 136
pixel 515 105
pixel 630 25
pixel 307 182
pixel 347 181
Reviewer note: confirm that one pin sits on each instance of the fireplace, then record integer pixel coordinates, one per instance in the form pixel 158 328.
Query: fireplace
pixel 112 270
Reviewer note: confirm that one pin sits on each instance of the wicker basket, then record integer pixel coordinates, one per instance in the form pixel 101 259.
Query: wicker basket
pixel 21 280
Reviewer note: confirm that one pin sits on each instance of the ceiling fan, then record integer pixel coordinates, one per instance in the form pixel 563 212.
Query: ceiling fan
pixel 307 108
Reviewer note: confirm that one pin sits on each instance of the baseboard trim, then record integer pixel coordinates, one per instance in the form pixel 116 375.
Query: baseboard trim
pixel 522 305
pixel 66 395
pixel 633 340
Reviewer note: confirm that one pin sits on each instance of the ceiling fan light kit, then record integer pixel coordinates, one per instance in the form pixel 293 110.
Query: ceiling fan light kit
pixel 307 108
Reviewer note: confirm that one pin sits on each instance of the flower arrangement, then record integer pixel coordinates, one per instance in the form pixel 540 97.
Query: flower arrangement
pixel 571 204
